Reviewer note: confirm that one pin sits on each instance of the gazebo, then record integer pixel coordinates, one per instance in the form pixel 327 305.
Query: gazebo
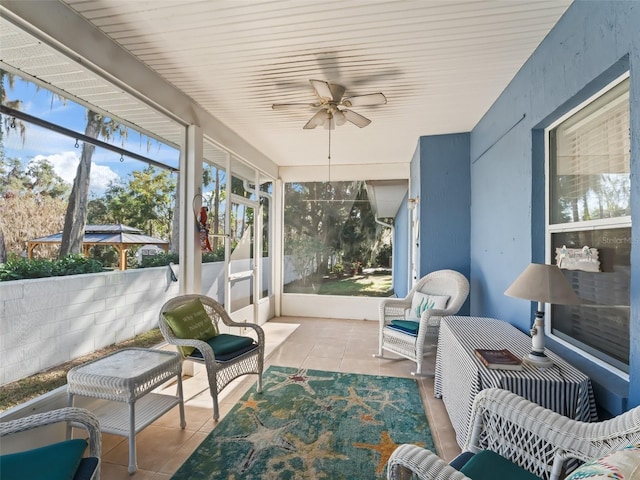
pixel 118 236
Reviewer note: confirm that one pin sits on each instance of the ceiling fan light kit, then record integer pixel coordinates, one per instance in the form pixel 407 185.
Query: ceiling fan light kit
pixel 333 106
pixel 333 109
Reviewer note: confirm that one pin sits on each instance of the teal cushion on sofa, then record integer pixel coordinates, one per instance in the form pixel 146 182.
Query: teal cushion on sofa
pixel 488 465
pixel 58 461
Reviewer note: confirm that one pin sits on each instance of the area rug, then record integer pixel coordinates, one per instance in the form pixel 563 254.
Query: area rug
pixel 312 424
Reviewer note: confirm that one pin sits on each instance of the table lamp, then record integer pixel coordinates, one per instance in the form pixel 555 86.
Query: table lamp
pixel 543 284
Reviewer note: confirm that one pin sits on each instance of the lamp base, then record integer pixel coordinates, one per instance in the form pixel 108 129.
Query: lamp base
pixel 539 360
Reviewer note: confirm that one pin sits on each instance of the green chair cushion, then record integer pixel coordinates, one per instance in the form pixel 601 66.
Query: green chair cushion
pixel 191 320
pixel 409 326
pixel 58 461
pixel 488 465
pixel 226 346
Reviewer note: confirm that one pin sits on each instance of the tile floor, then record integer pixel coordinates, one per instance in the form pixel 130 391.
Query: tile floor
pixel 316 343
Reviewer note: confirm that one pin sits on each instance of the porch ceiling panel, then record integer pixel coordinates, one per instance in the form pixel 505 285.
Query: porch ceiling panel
pixel 440 63
pixel 28 56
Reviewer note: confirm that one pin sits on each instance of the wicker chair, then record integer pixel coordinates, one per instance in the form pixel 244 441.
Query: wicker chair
pixel 220 373
pixel 415 345
pixel 535 438
pixel 89 468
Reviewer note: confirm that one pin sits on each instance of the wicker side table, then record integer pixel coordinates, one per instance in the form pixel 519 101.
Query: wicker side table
pixel 126 378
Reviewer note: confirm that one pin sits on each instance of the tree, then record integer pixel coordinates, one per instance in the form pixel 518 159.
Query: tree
pixel 32 202
pixel 339 215
pixel 6 128
pixel 144 201
pixel 76 215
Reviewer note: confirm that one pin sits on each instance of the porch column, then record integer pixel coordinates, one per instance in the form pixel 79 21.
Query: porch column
pixel 190 190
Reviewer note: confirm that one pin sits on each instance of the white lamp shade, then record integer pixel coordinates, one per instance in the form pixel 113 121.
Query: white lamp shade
pixel 543 283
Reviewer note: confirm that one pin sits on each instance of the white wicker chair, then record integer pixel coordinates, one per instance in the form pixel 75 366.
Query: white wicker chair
pixel 77 417
pixel 414 347
pixel 219 373
pixel 535 438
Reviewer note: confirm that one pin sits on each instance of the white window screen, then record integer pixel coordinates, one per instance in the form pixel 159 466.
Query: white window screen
pixel 589 207
pixel 591 161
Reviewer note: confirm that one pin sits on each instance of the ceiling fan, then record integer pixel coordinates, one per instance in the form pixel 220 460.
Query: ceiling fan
pixel 333 107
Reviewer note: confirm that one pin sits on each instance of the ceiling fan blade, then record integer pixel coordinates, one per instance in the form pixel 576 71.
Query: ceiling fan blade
pixel 323 90
pixel 291 106
pixel 355 118
pixel 318 119
pixel 336 92
pixel 365 100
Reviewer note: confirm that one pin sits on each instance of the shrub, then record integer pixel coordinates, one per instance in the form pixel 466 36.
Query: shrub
pixel 162 259
pixel 159 260
pixel 20 268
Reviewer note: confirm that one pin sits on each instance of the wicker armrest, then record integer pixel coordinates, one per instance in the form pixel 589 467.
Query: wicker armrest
pixel 392 308
pixel 411 461
pixel 78 417
pixel 541 440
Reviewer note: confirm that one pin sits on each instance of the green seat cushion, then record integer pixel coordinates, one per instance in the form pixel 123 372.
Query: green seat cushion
pixel 488 465
pixel 58 461
pixel 226 346
pixel 191 320
pixel 408 326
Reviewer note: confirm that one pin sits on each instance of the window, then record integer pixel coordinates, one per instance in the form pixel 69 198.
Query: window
pixel 589 225
pixel 332 242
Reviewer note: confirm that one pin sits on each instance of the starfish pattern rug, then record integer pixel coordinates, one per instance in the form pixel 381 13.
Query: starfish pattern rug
pixel 312 424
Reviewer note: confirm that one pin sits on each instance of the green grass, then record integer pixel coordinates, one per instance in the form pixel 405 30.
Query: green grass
pixel 359 285
pixel 20 391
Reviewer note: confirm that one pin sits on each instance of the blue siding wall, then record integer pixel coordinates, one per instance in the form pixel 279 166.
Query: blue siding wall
pixel 444 203
pixel 440 178
pixel 588 47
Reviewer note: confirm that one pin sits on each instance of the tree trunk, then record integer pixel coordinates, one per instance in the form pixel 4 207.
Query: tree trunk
pixel 76 216
pixel 3 248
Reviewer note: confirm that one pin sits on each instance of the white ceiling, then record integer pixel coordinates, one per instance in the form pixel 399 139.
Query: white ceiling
pixel 440 64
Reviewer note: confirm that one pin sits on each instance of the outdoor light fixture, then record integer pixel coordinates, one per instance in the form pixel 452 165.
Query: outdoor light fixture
pixel 543 284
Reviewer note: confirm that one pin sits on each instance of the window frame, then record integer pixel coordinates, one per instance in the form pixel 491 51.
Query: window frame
pixel 583 225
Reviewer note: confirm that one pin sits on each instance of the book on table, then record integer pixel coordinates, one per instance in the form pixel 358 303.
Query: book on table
pixel 498 359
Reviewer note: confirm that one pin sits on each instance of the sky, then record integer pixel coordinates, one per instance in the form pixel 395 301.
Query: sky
pixel 60 150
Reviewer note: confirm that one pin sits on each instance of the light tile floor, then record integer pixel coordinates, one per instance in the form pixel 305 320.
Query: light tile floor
pixel 316 343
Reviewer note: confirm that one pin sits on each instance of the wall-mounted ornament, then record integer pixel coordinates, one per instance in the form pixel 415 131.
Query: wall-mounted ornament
pixel 585 258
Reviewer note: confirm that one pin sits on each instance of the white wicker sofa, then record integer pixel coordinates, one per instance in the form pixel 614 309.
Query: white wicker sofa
pixel 535 438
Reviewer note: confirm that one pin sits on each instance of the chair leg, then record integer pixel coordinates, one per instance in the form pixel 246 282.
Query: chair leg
pixel 420 373
pixel 259 384
pixel 216 409
pixel 379 354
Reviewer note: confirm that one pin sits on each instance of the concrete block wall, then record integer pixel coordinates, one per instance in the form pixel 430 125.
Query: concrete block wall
pixel 48 321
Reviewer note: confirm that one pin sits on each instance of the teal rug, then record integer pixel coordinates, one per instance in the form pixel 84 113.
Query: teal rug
pixel 312 424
